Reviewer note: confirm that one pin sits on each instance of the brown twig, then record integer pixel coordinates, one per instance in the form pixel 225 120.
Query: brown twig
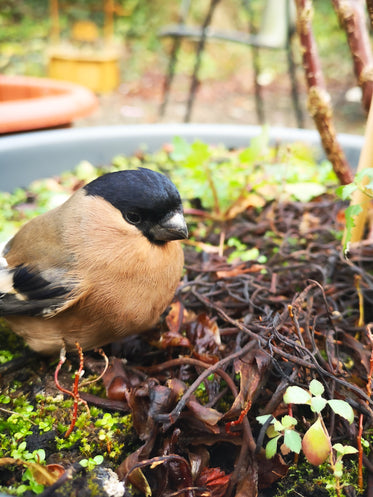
pixel 319 105
pixel 291 357
pixel 194 362
pixel 170 418
pixel 352 18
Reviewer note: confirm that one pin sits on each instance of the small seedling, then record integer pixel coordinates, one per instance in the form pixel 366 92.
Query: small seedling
pixel 278 429
pixel 316 444
pixel 92 462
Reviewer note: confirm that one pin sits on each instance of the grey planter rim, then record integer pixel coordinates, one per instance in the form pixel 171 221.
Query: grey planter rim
pixel 28 156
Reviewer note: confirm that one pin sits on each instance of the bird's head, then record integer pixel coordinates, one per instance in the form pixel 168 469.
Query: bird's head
pixel 146 199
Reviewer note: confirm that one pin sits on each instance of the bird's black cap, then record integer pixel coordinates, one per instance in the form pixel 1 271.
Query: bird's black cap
pixel 144 197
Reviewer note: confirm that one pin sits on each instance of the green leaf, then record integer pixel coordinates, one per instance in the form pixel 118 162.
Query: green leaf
pixel 293 441
pixel 296 395
pixel 199 153
pixel 345 191
pixel 258 147
pixel 288 421
pixel 316 443
pixel 343 409
pixel 365 443
pixel 344 449
pixel 272 431
pixel 39 455
pixel 271 447
pixel 263 419
pixel 252 254
pixel 350 213
pixel 99 459
pixel 316 387
pixel 364 173
pixel 22 446
pixel 181 149
pixel 318 403
pixel 305 191
pixel 277 425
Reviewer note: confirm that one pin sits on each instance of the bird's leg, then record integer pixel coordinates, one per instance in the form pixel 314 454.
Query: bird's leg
pixel 58 368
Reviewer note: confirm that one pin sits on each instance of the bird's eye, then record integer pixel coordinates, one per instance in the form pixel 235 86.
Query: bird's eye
pixel 133 217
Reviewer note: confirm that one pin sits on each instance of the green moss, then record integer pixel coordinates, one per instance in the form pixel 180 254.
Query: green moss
pixel 11 344
pixel 44 420
pixel 315 481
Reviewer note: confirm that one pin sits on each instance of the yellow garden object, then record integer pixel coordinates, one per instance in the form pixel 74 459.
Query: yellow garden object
pixel 87 59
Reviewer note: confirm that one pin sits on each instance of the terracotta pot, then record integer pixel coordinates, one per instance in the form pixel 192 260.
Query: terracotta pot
pixel 37 103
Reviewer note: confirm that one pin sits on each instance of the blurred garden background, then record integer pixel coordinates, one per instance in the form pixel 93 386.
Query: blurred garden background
pixel 226 93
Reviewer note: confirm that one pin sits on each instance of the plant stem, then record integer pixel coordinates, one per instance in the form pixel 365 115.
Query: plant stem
pixel 358 197
pixel 352 19
pixel 319 105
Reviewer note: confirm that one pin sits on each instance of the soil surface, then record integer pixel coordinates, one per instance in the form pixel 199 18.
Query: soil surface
pixel 244 331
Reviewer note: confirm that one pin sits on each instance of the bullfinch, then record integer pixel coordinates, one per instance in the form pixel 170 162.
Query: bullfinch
pixel 103 265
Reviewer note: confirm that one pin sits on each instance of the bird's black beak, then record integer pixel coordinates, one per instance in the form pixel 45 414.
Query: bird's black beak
pixel 171 228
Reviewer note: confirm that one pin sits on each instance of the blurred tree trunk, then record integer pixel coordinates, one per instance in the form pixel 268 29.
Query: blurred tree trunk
pixel 319 105
pixel 361 49
pixel 352 18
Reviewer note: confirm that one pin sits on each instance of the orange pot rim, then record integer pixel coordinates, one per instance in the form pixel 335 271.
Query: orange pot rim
pixel 59 103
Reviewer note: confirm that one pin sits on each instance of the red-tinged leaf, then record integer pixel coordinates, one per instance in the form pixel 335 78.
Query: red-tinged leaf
pixel 172 339
pixel 56 470
pixel 215 480
pixel 117 389
pixel 175 316
pixel 179 474
pixel 270 470
pixel 198 460
pixel 145 402
pixel 253 372
pixel 117 381
pixel 207 358
pixel 125 467
pixel 42 474
pixel 136 476
pixel 204 335
pixel 177 386
pixel 316 444
pixel 238 270
pixel 206 414
pixel 161 400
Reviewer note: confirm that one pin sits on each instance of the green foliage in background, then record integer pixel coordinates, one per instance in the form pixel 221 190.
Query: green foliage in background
pixel 222 183
pixel 25 27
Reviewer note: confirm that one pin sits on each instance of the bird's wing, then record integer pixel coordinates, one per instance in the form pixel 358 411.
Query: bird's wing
pixel 26 291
